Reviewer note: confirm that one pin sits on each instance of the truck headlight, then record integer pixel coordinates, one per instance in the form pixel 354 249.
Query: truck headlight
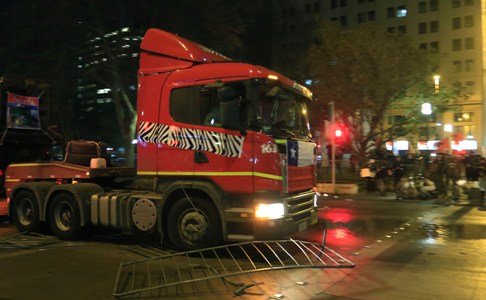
pixel 269 211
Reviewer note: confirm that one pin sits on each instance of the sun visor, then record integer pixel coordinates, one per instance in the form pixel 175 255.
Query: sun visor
pixel 168 44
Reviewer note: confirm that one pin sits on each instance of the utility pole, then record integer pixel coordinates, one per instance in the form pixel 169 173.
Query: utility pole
pixel 333 147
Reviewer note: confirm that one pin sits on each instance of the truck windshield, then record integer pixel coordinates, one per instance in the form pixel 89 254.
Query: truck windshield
pixel 282 112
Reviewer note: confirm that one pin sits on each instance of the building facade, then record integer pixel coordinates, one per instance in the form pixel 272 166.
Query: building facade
pixel 450 31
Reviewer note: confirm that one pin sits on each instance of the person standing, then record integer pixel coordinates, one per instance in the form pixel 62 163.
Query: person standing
pixel 381 176
pixel 482 181
pixel 453 173
pixel 468 163
pixel 370 179
pixel 436 174
pixel 398 170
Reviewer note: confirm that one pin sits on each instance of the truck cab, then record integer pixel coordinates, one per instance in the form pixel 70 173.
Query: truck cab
pixel 240 130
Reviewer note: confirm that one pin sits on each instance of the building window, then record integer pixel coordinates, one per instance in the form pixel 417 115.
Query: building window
pixel 464 117
pixel 434 47
pixel 390 12
pixel 468 21
pixel 396 120
pixel 469 43
pixel 467 131
pixel 434 5
pixel 371 15
pixel 391 29
pixel 434 26
pixel 456 23
pixel 422 7
pixel 457 66
pixel 334 4
pixel 361 17
pixel 308 8
pixel 469 87
pixel 469 65
pixel 423 46
pixel 401 11
pixel 343 21
pixel 361 1
pixel 317 6
pixel 456 3
pixel 456 44
pixel 468 2
pixel 402 29
pixel 422 28
pixel 457 85
pixel 342 3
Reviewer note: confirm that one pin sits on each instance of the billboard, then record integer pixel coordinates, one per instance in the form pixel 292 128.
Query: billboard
pixel 22 112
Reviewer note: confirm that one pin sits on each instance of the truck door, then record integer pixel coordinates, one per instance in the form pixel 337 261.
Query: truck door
pixel 204 147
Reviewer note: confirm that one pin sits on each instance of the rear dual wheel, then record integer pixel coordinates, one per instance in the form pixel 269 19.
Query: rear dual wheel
pixel 26 211
pixel 65 217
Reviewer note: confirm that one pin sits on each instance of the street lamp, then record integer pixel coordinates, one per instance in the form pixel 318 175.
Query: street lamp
pixel 427 111
pixel 436 83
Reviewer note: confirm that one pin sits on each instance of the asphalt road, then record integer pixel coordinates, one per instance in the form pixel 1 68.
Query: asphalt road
pixel 404 249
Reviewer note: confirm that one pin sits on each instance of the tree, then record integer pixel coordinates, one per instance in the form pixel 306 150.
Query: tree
pixel 367 72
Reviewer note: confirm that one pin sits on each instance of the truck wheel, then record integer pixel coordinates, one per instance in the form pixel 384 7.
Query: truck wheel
pixel 189 228
pixel 26 212
pixel 64 217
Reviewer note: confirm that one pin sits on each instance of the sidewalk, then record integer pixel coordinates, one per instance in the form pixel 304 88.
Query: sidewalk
pixel 438 255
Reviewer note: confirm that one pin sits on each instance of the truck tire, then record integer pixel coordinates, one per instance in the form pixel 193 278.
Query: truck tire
pixel 64 217
pixel 189 228
pixel 26 211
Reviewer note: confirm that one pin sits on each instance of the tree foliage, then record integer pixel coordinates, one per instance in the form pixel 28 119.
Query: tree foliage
pixel 367 72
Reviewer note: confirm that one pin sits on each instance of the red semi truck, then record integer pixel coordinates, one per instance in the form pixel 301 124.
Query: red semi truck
pixel 224 153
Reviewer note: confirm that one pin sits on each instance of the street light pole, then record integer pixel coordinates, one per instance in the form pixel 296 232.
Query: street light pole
pixel 333 148
pixel 449 128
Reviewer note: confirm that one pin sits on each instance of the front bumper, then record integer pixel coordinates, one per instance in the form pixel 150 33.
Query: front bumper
pixel 300 214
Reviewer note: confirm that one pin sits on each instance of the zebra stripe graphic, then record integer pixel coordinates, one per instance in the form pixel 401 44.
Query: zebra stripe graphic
pixel 191 139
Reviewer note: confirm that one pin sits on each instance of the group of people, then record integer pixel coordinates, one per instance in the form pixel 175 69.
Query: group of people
pixel 442 175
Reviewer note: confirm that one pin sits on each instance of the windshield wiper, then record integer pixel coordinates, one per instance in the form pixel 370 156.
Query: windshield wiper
pixel 285 131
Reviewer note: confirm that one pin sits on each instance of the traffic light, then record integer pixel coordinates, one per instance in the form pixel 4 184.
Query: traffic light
pixel 340 134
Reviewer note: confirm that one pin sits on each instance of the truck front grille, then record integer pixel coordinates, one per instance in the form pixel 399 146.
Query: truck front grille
pixel 299 206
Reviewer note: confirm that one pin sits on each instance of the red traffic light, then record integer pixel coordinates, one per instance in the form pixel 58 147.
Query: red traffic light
pixel 338 133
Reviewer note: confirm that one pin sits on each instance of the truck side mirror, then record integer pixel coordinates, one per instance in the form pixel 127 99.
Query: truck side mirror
pixel 231 115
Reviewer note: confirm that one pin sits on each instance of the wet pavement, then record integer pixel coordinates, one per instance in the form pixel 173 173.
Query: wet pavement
pixel 403 249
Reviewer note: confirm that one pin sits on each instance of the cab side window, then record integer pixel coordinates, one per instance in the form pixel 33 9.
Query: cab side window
pixel 185 105
pixel 200 104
